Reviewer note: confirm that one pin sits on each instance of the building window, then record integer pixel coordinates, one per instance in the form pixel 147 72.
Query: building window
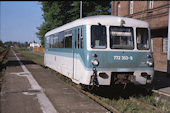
pixel 150 4
pixel 118 9
pixel 131 7
pixel 165 45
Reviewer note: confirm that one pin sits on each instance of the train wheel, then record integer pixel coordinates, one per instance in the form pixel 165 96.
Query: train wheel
pixel 90 87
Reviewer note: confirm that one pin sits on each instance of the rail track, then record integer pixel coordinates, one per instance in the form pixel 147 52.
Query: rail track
pixel 3 55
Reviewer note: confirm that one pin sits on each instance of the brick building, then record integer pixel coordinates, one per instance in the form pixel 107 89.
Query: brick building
pixel 156 14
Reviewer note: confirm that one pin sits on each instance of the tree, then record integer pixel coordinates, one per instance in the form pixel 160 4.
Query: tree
pixel 57 13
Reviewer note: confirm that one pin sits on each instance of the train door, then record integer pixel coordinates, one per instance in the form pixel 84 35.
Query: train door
pixel 75 52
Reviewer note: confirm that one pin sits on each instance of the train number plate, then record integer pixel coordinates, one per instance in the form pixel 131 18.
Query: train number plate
pixel 123 57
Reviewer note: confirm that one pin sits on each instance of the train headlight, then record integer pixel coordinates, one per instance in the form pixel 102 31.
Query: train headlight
pixel 150 63
pixel 95 62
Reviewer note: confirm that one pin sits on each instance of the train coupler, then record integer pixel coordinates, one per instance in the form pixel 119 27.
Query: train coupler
pixel 93 80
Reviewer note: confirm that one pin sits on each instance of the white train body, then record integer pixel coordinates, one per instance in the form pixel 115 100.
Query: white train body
pixel 117 49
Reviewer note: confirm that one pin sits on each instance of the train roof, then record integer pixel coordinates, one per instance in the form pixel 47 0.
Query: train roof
pixel 103 20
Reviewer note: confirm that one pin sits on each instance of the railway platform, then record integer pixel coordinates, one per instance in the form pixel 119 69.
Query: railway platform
pixel 29 88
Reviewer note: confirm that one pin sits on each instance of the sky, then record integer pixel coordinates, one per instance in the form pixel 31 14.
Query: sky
pixel 19 20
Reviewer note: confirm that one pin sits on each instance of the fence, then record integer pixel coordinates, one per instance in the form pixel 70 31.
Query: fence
pixel 38 49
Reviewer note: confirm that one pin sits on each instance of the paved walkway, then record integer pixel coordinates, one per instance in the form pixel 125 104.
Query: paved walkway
pixel 29 88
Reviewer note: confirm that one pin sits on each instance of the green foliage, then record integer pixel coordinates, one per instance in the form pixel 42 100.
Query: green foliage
pixel 30 55
pixel 57 13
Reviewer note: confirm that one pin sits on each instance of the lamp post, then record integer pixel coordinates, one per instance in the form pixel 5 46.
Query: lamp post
pixel 80 9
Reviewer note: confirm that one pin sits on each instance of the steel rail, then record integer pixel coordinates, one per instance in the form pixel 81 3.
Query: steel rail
pixel 3 54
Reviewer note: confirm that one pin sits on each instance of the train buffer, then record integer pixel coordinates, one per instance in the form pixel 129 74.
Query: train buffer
pixel 29 88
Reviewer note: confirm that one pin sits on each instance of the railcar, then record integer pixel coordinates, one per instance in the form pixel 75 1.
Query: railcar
pixel 101 50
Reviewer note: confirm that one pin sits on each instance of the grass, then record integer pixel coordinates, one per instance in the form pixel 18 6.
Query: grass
pixel 155 100
pixel 2 67
pixel 1 49
pixel 34 57
pixel 124 105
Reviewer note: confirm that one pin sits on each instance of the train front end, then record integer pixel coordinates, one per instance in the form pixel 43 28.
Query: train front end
pixel 120 55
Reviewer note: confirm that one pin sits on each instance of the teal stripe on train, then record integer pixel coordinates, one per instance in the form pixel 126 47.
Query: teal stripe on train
pixel 109 60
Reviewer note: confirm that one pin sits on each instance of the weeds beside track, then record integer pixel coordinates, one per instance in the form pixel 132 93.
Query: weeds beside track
pixel 3 61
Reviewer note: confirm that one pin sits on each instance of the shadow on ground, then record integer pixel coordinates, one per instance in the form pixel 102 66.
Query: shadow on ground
pixel 117 92
pixel 16 63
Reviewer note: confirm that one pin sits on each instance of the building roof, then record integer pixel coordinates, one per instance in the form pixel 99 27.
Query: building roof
pixel 102 19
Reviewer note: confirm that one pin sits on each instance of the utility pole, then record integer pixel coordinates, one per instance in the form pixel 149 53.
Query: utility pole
pixel 168 54
pixel 80 9
pixel 0 21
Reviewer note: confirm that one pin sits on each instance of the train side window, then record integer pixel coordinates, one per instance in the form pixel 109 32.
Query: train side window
pixel 68 39
pixel 51 41
pixel 48 42
pixel 78 36
pixel 61 40
pixel 75 34
pixel 55 40
pixel 81 37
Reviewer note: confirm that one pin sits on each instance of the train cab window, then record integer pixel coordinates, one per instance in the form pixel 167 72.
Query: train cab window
pixel 81 37
pixel 61 40
pixel 68 39
pixel 142 38
pixel 98 37
pixel 121 38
